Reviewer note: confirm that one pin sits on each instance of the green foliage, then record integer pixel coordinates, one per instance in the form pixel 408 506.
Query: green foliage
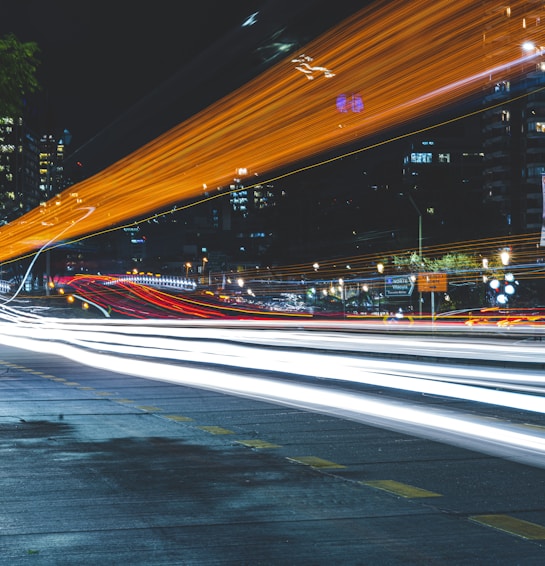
pixel 449 262
pixel 18 65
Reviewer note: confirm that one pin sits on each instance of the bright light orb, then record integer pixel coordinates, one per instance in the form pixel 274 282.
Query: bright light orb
pixel 509 289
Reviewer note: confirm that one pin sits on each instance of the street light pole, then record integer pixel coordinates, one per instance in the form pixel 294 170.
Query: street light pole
pixel 204 262
pixel 419 241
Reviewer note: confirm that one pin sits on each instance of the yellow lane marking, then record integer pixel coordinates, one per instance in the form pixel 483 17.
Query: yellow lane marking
pixel 258 444
pixel 178 418
pixel 86 388
pixel 71 383
pixel 58 379
pixel 315 462
pixel 216 430
pixel 149 408
pixel 124 400
pixel 402 489
pixel 507 524
pixel 105 393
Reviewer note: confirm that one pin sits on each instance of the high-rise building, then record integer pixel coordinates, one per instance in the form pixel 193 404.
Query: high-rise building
pixel 514 151
pixel 513 122
pixel 442 184
pixel 18 169
pixel 51 157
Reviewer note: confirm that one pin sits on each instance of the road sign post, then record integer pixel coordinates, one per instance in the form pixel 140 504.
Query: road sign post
pixel 430 283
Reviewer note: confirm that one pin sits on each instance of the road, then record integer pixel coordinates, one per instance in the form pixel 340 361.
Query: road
pixel 109 467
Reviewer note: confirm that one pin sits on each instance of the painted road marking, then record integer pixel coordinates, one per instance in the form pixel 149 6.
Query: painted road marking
pixel 86 388
pixel 315 462
pixel 216 430
pixel 124 400
pixel 507 524
pixel 71 383
pixel 258 444
pixel 105 393
pixel 402 489
pixel 149 408
pixel 178 418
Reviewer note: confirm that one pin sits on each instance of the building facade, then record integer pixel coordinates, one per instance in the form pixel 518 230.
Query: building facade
pixel 19 191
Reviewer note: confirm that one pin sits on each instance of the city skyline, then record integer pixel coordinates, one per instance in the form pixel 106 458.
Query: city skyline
pixel 355 111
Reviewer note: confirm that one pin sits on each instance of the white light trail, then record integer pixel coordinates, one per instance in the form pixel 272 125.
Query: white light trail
pixel 511 441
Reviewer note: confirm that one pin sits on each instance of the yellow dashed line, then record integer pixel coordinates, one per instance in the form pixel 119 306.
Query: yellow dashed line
pixel 71 383
pixel 316 462
pixel 86 388
pixel 105 393
pixel 507 524
pixel 216 430
pixel 402 489
pixel 258 444
pixel 124 400
pixel 178 418
pixel 149 408
pixel 58 379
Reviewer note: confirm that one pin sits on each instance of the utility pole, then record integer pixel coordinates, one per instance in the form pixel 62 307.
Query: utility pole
pixel 419 240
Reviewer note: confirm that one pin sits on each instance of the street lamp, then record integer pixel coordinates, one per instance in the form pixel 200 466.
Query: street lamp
pixel 187 268
pixel 419 240
pixel 380 269
pixel 341 290
pixel 204 262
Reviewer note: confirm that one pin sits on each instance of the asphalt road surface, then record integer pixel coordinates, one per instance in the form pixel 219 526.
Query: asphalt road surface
pixel 102 468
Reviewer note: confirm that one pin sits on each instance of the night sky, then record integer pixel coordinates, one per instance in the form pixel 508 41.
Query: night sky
pixel 98 58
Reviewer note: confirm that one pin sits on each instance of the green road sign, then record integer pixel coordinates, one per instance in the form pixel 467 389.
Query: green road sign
pixel 398 286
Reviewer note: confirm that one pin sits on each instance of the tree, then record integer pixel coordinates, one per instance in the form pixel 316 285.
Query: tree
pixel 18 64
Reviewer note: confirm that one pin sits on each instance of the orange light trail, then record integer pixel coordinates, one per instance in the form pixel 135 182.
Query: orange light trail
pixel 406 60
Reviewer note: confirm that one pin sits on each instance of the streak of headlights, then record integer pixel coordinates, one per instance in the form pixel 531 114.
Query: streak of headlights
pixel 515 442
pixel 453 381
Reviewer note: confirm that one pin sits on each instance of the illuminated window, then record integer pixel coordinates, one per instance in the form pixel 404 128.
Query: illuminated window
pixel 502 87
pixel 444 158
pixel 421 157
pixel 540 127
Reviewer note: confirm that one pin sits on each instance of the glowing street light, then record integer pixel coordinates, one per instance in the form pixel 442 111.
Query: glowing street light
pixel 204 262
